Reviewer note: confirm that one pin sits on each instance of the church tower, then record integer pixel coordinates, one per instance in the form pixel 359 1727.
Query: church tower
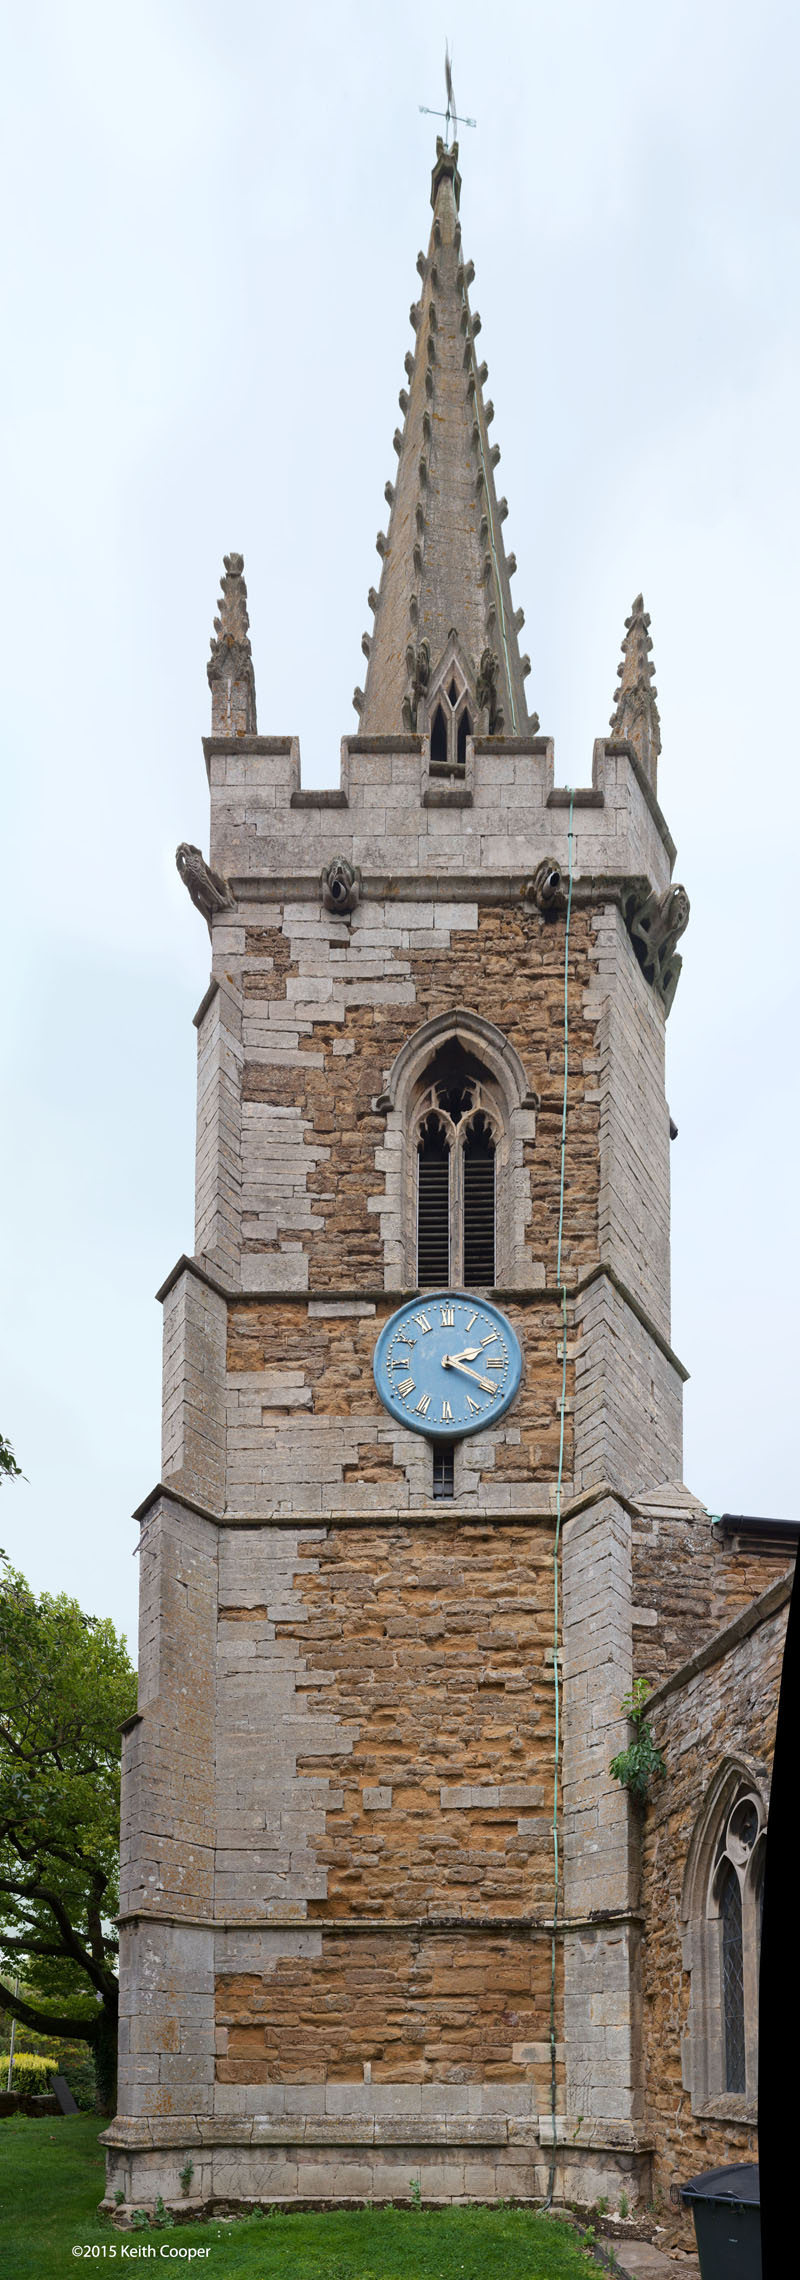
pixel 380 1918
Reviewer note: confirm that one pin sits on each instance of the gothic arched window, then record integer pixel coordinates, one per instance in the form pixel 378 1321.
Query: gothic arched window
pixel 722 1907
pixel 456 1132
pixel 460 1120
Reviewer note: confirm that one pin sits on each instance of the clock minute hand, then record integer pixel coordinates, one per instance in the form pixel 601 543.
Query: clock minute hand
pixel 450 1362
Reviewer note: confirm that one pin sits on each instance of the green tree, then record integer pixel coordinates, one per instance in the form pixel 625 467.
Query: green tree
pixel 66 1685
pixel 9 1469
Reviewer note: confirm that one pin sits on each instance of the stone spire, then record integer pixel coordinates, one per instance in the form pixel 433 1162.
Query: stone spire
pixel 445 583
pixel 635 714
pixel 230 665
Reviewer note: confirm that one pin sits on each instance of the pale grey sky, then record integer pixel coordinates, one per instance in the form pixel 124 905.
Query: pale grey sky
pixel 211 228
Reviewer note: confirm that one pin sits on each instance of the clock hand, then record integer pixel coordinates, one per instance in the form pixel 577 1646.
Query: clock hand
pixel 467 1354
pixel 451 1362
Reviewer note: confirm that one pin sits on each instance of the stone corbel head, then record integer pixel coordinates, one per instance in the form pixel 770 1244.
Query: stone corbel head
pixel 340 886
pixel 546 889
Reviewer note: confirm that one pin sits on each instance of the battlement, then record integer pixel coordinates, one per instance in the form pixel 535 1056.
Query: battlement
pixel 395 817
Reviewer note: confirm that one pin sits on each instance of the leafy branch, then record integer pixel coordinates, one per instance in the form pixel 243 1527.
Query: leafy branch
pixel 641 1763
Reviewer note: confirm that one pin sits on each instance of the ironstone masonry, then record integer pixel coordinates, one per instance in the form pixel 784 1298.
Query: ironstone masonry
pixel 338 1904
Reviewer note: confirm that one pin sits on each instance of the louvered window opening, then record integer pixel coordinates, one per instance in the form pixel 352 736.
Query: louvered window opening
pixel 452 1234
pixel 479 1207
pixel 433 1211
pixel 733 1982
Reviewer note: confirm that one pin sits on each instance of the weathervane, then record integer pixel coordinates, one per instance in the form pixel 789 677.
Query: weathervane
pixel 451 114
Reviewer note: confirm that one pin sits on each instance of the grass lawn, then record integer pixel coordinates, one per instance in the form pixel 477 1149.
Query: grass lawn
pixel 52 2177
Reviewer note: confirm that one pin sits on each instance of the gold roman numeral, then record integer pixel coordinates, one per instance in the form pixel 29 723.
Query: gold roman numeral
pixel 405 1385
pixel 447 1414
pixel 474 1407
pixel 448 1317
pixel 423 1405
pixel 422 1322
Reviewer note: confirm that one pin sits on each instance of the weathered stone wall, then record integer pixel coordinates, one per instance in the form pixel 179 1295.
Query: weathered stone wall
pixel 634 1202
pixel 308 1433
pixel 218 1177
pixel 168 1829
pixel 401 2007
pixel 688 1582
pixel 628 1396
pixel 720 1706
pixel 168 1833
pixel 193 1445
pixel 385 1723
pixel 326 1006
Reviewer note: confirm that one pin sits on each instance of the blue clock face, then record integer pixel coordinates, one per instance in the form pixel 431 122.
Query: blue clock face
pixel 447 1364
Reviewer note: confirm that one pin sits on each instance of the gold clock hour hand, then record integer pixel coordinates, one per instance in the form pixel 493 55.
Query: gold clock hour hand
pixel 467 1354
pixel 451 1362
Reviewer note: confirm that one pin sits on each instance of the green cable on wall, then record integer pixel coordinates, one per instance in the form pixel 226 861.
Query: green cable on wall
pixel 557 1542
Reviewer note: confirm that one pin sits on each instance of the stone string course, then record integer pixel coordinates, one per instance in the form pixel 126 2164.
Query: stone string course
pixel 421 1664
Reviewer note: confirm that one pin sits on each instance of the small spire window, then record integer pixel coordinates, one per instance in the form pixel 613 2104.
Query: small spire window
pixel 451 725
pixel 439 739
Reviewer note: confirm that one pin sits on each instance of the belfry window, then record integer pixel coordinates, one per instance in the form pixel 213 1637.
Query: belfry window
pixel 456 1146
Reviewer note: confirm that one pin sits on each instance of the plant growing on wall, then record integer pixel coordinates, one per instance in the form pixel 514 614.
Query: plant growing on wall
pixel 642 1762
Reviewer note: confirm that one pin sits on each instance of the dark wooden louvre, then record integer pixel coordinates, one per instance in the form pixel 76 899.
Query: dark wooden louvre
pixel 479 1205
pixel 433 1209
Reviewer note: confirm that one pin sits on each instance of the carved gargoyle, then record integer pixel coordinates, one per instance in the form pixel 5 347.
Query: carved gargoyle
pixel 418 667
pixel 340 886
pixel 546 888
pixel 486 692
pixel 655 923
pixel 208 890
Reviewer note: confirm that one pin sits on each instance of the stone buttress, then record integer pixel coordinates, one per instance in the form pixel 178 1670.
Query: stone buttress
pixel 338 1864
